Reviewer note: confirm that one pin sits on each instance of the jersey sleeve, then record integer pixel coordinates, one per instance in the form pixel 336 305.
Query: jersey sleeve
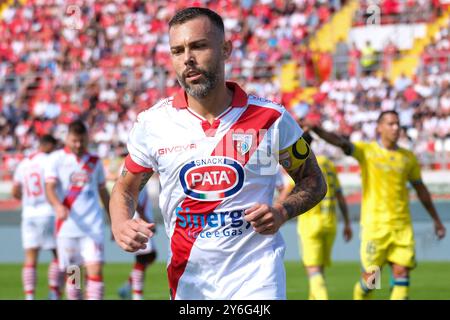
pixel 139 159
pixel 415 175
pixel 289 130
pixel 50 170
pixel 294 150
pixel 358 150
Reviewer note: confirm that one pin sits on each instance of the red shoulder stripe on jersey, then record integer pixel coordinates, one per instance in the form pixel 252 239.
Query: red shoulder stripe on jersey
pixel 255 120
pixel 133 167
pixel 75 190
pixel 254 117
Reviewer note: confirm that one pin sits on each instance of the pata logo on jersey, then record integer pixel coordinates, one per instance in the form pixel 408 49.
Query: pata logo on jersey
pixel 212 178
pixel 212 225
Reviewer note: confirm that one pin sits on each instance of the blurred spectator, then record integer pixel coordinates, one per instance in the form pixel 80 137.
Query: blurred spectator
pixel 368 58
pixel 341 59
pixel 353 63
pixel 390 53
pixel 402 83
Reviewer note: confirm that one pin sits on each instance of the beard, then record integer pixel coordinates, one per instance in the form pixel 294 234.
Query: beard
pixel 202 87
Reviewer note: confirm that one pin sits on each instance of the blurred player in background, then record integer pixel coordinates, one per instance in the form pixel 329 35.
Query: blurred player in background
pixel 38 218
pixel 74 182
pixel 134 287
pixel 387 231
pixel 217 205
pixel 317 229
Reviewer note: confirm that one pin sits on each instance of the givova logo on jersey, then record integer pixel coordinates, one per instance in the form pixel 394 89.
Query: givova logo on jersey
pixel 212 178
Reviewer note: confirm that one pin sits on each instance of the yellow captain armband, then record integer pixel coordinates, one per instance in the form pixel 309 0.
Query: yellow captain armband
pixel 294 156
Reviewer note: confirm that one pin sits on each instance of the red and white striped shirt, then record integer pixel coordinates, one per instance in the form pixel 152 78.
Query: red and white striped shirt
pixel 209 174
pixel 86 215
pixel 29 174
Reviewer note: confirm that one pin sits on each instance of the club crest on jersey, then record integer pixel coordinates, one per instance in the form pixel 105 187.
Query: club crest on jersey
pixel 212 178
pixel 242 142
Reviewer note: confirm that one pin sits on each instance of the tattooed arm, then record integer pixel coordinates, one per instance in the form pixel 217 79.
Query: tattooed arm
pixel 130 234
pixel 310 188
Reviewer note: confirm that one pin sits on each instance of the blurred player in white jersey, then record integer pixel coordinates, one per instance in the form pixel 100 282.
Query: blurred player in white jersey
pixel 38 218
pixel 74 181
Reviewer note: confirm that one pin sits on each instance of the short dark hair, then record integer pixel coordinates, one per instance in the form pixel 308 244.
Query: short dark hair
pixel 48 139
pixel 77 127
pixel 191 13
pixel 382 114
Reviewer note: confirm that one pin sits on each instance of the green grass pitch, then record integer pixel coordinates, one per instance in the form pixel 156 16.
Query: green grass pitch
pixel 430 280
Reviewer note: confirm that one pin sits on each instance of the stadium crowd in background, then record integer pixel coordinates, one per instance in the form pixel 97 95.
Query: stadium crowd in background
pixel 115 66
pixel 399 11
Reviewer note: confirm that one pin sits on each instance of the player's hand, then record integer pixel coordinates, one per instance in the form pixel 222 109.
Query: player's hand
pixel 266 219
pixel 62 212
pixel 348 233
pixel 439 230
pixel 133 234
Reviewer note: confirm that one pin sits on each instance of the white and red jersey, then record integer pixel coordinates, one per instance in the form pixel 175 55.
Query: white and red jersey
pixel 209 175
pixel 78 181
pixel 29 175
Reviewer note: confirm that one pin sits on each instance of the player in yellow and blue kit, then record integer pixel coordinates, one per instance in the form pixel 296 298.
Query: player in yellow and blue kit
pixel 387 233
pixel 317 229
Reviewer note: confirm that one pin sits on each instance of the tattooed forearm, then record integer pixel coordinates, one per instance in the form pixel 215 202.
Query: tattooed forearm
pixel 123 202
pixel 130 202
pixel 310 188
pixel 144 180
